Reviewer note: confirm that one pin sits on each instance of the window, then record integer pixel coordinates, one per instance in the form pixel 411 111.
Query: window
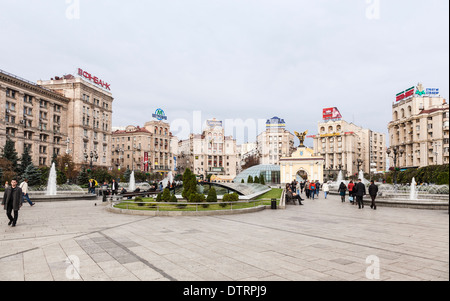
pixel 10 106
pixel 28 98
pixel 10 93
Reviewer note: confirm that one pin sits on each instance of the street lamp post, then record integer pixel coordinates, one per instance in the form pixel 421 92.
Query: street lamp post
pixel 92 155
pixel 396 152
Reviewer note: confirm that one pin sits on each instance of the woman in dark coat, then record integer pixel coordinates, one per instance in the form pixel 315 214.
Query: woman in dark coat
pixel 12 201
pixel 342 189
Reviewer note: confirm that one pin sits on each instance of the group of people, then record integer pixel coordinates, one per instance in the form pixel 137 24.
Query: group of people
pixel 311 189
pixel 13 198
pixel 357 192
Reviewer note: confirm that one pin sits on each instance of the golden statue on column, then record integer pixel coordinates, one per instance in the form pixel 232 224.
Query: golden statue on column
pixel 301 137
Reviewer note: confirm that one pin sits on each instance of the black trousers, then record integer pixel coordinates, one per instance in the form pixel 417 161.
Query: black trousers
pixel 360 201
pixel 373 201
pixel 9 210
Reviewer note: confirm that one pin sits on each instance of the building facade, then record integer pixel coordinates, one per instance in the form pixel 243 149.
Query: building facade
pixel 33 117
pixel 148 149
pixel 420 128
pixel 64 115
pixel 210 153
pixel 275 142
pixel 350 148
pixel 89 119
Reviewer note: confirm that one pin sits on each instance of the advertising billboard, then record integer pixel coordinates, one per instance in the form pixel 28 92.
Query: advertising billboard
pixel 331 114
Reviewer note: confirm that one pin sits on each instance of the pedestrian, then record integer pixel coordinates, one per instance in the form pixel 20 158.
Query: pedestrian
pixel 373 191
pixel 302 186
pixel 360 191
pixel 317 188
pixel 105 188
pixel 6 184
pixel 312 189
pixel 307 191
pixel 351 197
pixel 24 187
pixel 325 189
pixel 342 189
pixel 12 201
pixel 297 188
pixel 91 186
pixel 114 187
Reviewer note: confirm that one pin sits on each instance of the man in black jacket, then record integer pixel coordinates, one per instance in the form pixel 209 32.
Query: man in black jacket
pixel 12 201
pixel 114 187
pixel 373 191
pixel 360 189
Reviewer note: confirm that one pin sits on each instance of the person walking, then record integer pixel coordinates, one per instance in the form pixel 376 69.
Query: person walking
pixel 351 197
pixel 24 187
pixel 342 189
pixel 91 186
pixel 360 191
pixel 12 201
pixel 312 189
pixel 326 189
pixel 298 187
pixel 302 186
pixel 317 188
pixel 373 191
pixel 307 191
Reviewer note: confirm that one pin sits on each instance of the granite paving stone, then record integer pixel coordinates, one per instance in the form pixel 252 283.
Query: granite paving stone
pixel 323 240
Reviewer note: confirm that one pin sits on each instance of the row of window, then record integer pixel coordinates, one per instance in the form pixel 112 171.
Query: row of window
pixel 96 102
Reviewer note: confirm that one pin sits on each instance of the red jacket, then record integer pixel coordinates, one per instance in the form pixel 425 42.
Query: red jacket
pixel 350 186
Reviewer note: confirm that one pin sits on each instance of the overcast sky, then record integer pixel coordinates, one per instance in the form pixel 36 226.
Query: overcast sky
pixel 236 59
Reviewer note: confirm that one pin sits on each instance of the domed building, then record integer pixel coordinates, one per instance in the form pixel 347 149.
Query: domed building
pixel 271 174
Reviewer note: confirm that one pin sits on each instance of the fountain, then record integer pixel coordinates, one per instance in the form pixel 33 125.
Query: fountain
pixel 51 185
pixel 361 176
pixel 54 192
pixel 413 192
pixel 132 184
pixel 340 178
pixel 167 180
pixel 424 196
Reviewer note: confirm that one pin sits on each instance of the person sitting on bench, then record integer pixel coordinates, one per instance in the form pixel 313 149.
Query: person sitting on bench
pixel 293 196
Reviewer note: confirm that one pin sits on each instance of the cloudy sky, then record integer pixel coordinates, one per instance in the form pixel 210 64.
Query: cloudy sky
pixel 235 59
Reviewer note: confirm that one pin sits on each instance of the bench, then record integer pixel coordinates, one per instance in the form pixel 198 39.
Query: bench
pixel 289 199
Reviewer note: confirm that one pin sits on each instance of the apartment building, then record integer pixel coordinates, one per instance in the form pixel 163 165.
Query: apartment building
pixel 420 127
pixel 210 153
pixel 275 142
pixel 350 148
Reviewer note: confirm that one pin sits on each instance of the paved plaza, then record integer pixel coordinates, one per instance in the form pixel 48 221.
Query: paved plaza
pixel 322 240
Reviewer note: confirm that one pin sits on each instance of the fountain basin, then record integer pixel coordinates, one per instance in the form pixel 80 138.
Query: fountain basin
pixel 39 197
pixel 62 197
pixel 434 204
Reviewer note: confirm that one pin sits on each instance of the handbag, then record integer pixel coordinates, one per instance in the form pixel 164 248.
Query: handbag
pixel 350 199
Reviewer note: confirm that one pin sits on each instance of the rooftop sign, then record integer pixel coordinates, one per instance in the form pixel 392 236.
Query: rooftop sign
pixel 94 79
pixel 331 114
